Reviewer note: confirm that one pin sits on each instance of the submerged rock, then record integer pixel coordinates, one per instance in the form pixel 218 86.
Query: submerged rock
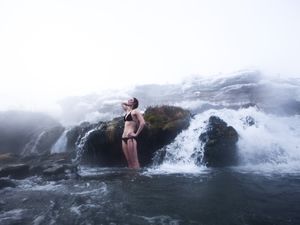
pixel 5 182
pixel 248 121
pixel 54 170
pixel 17 171
pixel 102 144
pixel 58 166
pixel 219 143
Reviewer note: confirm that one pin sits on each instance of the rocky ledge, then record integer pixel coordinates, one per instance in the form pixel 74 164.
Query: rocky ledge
pixel 100 144
pixel 103 146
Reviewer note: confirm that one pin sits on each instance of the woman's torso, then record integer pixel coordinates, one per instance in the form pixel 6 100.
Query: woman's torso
pixel 130 125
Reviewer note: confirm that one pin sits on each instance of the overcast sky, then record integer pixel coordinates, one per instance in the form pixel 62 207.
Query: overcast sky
pixel 51 49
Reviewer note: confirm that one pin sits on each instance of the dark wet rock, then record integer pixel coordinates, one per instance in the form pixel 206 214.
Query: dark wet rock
pixel 248 121
pixel 219 143
pixel 19 129
pixel 7 158
pixel 60 171
pixel 164 123
pixel 43 143
pixel 41 165
pixel 102 144
pixel 77 132
pixel 54 170
pixel 36 169
pixel 17 171
pixel 4 182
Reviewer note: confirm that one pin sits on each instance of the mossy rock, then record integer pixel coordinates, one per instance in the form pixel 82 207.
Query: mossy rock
pixel 219 144
pixel 163 123
pixel 166 117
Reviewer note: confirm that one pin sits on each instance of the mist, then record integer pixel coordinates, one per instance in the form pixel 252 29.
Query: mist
pixel 55 54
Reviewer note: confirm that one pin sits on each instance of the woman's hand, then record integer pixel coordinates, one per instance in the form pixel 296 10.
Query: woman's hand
pixel 132 135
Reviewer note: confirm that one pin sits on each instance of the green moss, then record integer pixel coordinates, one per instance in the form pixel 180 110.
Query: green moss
pixel 165 117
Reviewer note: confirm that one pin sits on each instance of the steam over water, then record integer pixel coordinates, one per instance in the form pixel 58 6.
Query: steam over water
pixel 264 188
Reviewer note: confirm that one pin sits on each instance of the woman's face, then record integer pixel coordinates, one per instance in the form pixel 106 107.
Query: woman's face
pixel 130 101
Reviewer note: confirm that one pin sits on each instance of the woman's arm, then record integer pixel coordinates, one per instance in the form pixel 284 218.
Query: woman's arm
pixel 124 106
pixel 141 122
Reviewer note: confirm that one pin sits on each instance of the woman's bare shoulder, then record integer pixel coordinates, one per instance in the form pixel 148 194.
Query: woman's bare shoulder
pixel 136 112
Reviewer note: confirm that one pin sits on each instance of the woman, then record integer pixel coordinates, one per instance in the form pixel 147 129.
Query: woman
pixel 134 123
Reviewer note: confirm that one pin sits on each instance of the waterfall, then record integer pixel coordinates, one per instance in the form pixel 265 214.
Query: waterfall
pixel 80 144
pixel 265 140
pixel 180 154
pixel 61 144
pixel 32 146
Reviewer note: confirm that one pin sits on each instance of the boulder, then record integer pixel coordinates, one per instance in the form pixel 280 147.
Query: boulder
pixel 55 169
pixel 164 123
pixel 248 121
pixel 4 182
pixel 219 144
pixel 7 158
pixel 76 133
pixel 43 142
pixel 17 171
pixel 20 131
pixel 39 164
pixel 102 144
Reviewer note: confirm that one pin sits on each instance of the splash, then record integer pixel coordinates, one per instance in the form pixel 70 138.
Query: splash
pixel 80 145
pixel 266 141
pixel 180 155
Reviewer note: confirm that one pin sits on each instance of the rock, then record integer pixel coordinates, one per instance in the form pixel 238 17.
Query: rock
pixel 61 171
pixel 7 158
pixel 164 123
pixel 43 143
pixel 54 170
pixel 219 143
pixel 17 171
pixel 4 182
pixel 248 121
pixel 76 133
pixel 19 129
pixel 102 144
pixel 52 162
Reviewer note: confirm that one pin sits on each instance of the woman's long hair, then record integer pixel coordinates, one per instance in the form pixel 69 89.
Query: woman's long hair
pixel 135 103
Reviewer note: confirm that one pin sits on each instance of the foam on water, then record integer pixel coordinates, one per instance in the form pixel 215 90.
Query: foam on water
pixel 162 219
pixel 179 154
pixel 12 215
pixel 100 190
pixel 48 186
pixel 272 142
pixel 177 168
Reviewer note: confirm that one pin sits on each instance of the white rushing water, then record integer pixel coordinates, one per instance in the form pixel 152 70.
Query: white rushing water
pixel 80 145
pixel 271 143
pixel 61 144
